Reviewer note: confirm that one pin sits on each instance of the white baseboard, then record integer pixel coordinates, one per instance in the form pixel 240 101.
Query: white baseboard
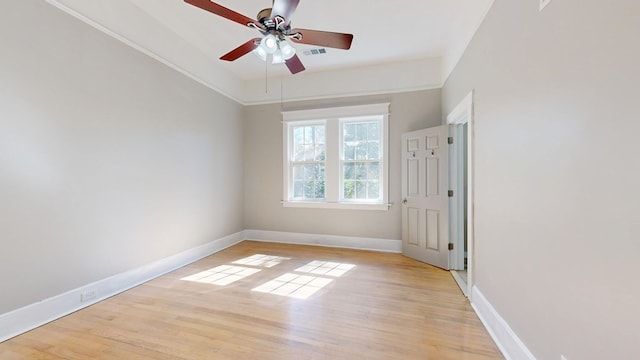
pixel 31 316
pixel 509 343
pixel 348 242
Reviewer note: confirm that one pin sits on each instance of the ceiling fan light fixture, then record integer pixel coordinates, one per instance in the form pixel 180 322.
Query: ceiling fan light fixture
pixel 278 58
pixel 288 51
pixel 261 53
pixel 269 44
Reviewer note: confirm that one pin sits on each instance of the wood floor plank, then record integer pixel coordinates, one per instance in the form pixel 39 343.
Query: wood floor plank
pixel 372 305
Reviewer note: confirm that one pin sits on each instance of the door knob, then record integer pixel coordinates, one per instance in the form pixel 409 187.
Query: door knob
pixel 404 202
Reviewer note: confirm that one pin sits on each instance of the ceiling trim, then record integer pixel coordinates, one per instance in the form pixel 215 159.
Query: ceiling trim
pixel 415 75
pixel 339 96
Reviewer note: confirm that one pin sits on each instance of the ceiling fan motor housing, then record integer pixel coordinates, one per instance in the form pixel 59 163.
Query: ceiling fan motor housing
pixel 263 15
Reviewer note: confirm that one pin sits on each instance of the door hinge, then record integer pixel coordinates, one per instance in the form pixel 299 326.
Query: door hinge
pixel 450 140
pixel 450 193
pixel 450 246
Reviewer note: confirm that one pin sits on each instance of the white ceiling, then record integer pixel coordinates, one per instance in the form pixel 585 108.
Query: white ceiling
pixel 398 38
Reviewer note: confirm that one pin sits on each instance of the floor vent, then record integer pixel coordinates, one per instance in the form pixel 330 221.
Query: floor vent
pixel 315 51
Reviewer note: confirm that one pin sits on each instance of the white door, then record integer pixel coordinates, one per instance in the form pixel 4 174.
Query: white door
pixel 425 204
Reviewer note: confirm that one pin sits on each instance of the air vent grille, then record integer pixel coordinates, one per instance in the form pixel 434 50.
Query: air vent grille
pixel 313 52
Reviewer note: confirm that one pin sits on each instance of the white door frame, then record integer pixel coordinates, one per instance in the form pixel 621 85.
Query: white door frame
pixel 463 114
pixel 456 183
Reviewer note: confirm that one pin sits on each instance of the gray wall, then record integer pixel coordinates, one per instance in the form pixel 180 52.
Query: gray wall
pixel 109 160
pixel 264 174
pixel 557 172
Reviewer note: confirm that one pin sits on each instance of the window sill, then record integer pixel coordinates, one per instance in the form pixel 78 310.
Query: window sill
pixel 336 205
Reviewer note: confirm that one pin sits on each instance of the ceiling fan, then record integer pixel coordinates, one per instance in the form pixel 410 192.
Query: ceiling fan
pixel 275 26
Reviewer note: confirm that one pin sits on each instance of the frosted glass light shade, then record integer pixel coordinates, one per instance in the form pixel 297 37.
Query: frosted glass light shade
pixel 288 51
pixel 259 51
pixel 280 49
pixel 277 57
pixel 269 44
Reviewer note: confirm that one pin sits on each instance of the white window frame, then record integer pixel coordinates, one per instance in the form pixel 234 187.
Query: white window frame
pixel 333 118
pixel 289 174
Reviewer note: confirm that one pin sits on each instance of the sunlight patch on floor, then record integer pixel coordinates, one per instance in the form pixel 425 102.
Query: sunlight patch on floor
pixel 294 286
pixel 326 268
pixel 261 260
pixel 222 275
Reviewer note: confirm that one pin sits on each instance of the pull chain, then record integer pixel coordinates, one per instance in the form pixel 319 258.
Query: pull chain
pixel 266 77
pixel 281 91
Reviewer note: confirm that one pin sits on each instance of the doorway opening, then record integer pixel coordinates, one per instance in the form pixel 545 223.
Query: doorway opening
pixel 461 181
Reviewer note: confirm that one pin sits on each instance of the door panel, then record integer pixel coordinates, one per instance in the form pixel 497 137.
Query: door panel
pixel 413 177
pixel 425 211
pixel 433 233
pixel 414 226
pixel 433 177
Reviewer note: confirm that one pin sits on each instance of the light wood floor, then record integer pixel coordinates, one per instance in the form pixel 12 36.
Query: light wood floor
pixel 370 306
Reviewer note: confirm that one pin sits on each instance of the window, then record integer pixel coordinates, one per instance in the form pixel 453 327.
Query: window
pixel 360 160
pixel 336 158
pixel 308 161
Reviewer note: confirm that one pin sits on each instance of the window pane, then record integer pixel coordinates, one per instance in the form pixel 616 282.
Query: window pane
pixel 361 151
pixel 320 190
pixel 320 152
pixel 298 135
pixel 373 152
pixel 361 132
pixel 349 152
pixel 308 152
pixel 374 131
pixel 373 188
pixel 320 137
pixel 361 180
pixel 308 134
pixel 298 172
pixel 312 184
pixel 373 171
pixel 298 152
pixel 298 189
pixel 309 192
pixel 361 171
pixel 349 190
pixel 349 132
pixel 361 189
pixel 349 171
pixel 309 172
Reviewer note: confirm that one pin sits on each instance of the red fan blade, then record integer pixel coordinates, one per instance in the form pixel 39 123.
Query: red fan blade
pixel 284 8
pixel 323 38
pixel 241 50
pixel 223 11
pixel 295 65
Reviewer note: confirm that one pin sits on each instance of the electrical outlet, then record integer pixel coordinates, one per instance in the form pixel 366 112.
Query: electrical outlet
pixel 544 3
pixel 87 295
